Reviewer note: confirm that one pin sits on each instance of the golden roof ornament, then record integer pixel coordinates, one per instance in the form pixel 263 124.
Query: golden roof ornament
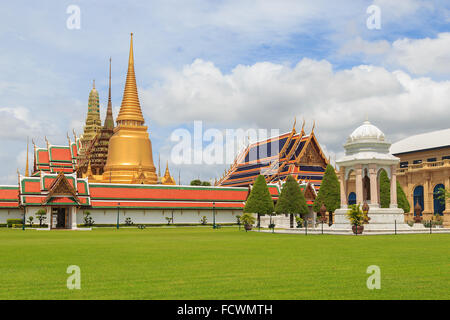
pixel 168 179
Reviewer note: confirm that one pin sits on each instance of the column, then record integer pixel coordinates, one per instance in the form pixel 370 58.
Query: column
pixel 358 184
pixel 447 201
pixel 74 217
pixel 427 202
pixel 410 191
pixel 373 185
pixel 343 183
pixel 393 187
pixel 49 217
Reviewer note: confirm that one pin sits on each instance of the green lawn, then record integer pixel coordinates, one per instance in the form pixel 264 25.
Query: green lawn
pixel 201 263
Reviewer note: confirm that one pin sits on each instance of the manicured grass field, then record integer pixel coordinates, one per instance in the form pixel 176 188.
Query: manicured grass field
pixel 201 263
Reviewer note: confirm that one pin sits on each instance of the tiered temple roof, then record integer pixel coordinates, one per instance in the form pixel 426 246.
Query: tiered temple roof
pixel 54 159
pixel 53 189
pixel 92 127
pixel 292 153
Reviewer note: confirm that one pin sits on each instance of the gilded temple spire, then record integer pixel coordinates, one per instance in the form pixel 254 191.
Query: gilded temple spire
pixel 109 120
pixel 26 166
pixel 130 148
pixel 130 110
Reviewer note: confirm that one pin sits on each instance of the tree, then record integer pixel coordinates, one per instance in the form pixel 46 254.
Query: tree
pixel 196 182
pixel 30 220
pixel 259 201
pixel 385 190
pixel 402 200
pixel 329 192
pixel 292 199
pixel 206 183
pixel 41 214
pixel 385 193
pixel 88 221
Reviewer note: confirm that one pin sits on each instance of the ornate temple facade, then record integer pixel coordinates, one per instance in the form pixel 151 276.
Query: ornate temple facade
pixel 293 153
pixel 423 170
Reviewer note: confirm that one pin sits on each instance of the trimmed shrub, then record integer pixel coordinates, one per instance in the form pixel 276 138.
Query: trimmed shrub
pixel 10 222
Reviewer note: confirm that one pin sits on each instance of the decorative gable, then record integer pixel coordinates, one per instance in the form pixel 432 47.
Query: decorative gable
pixel 61 187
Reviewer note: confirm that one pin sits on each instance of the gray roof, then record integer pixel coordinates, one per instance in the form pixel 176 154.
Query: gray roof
pixel 424 141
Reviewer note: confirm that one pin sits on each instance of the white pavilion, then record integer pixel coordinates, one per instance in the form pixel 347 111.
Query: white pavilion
pixel 366 154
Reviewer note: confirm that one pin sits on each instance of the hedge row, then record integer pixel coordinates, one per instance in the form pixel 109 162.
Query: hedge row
pixel 158 225
pixel 10 222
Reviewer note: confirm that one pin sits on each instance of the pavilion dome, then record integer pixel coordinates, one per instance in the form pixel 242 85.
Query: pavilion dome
pixel 366 131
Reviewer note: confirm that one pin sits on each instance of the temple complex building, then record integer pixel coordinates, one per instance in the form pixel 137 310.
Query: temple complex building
pixel 109 172
pixel 293 153
pixel 424 168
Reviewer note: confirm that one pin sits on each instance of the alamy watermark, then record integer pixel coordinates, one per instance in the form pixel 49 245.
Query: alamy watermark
pixel 74 19
pixel 74 280
pixel 374 19
pixel 214 146
pixel 374 280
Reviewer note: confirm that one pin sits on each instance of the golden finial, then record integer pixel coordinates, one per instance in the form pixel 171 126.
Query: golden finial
pixel 74 135
pixel 93 84
pixel 314 125
pixel 89 171
pixel 303 126
pixel 46 141
pixel 26 166
pixel 159 165
pixel 130 110
pixel 295 122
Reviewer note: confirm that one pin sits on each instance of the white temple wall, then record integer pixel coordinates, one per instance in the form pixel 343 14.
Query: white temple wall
pixel 150 216
pixel 13 213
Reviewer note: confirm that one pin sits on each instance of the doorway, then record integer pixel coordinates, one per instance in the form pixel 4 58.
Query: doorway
pixel 59 218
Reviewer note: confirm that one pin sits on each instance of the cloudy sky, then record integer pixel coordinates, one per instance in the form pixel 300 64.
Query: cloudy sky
pixel 230 64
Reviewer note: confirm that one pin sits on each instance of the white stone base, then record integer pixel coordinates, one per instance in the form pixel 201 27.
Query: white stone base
pixel 380 219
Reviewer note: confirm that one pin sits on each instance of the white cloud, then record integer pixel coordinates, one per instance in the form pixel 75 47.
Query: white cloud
pixel 268 95
pixel 427 56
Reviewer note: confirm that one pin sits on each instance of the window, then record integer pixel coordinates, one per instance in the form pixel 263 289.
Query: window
pixel 417 161
pixel 445 157
pixel 431 159
pixel 404 164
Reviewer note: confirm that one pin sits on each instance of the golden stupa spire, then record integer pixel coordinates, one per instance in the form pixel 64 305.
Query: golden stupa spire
pixel 130 148
pixel 26 167
pixel 130 110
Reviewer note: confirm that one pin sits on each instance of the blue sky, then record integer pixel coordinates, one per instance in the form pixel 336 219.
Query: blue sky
pixel 232 64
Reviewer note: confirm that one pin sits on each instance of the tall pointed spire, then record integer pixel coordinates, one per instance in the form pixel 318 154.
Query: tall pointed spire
pixel 109 120
pixel 159 165
pixel 26 167
pixel 130 147
pixel 130 110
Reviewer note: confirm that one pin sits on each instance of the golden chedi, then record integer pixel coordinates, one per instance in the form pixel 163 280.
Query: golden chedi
pixel 168 179
pixel 130 158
